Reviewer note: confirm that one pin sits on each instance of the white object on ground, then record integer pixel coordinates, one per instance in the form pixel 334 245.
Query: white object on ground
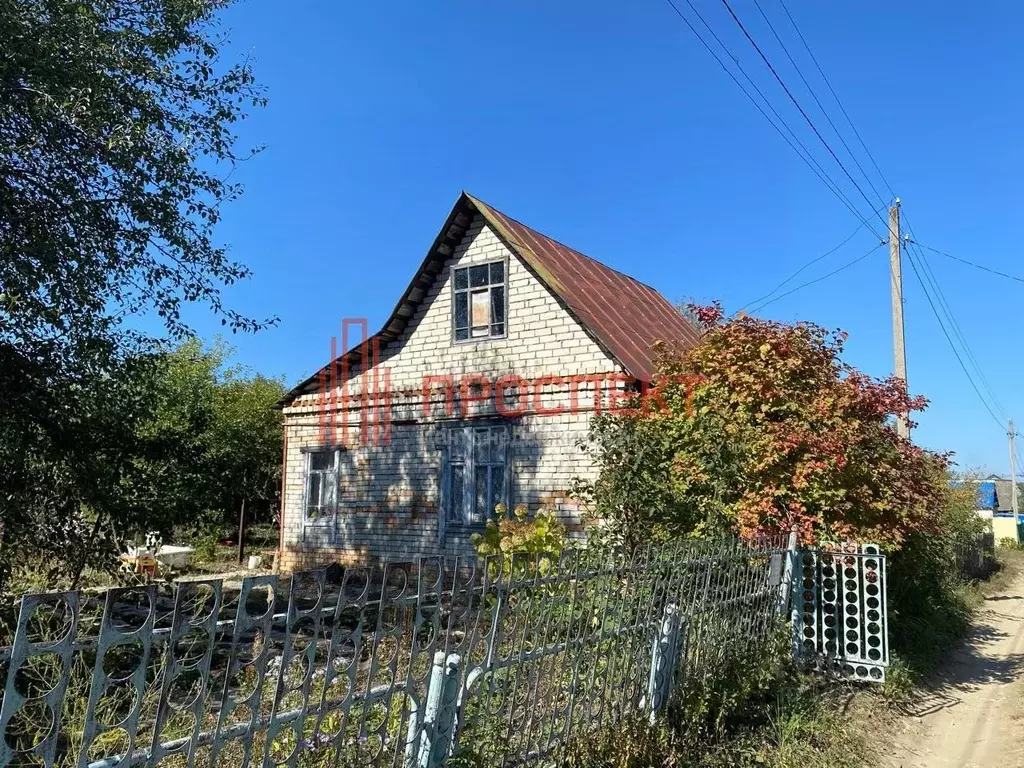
pixel 168 555
pixel 255 561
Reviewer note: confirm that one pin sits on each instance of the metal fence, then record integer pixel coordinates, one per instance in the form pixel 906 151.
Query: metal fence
pixel 486 662
pixel 840 613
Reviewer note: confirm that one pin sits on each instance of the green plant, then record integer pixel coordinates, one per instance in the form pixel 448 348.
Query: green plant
pixel 930 601
pixel 758 428
pixel 1010 543
pixel 520 534
pixel 750 710
pixel 204 539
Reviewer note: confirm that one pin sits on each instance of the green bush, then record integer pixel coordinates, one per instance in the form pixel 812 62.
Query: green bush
pixel 929 600
pixel 752 710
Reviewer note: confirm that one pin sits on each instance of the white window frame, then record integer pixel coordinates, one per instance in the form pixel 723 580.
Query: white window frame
pixel 487 289
pixel 332 474
pixel 465 451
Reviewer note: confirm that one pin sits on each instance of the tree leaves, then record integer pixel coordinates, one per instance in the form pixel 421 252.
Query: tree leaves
pixel 781 434
pixel 117 141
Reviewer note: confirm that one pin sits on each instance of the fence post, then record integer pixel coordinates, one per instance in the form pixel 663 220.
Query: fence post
pixel 440 712
pixel 786 586
pixel 664 655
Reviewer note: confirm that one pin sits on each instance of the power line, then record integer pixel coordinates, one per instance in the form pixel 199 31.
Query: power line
pixel 952 346
pixel 809 159
pixel 836 97
pixel 817 101
pixel 810 263
pixel 817 279
pixel 797 104
pixel 957 330
pixel 971 263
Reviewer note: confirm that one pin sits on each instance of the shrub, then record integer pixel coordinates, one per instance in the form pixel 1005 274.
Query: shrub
pixel 544 533
pixel 753 710
pixel 758 428
pixel 929 599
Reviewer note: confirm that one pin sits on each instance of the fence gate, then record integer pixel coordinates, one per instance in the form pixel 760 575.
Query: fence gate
pixel 840 624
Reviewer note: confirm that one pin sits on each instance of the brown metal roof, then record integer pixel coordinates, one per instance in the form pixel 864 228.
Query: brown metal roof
pixel 623 315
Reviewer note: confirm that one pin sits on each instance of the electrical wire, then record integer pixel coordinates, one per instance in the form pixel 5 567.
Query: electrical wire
pixel 810 263
pixel 817 279
pixel 796 103
pixel 971 263
pixel 957 330
pixel 793 143
pixel 836 97
pixel 817 101
pixel 927 295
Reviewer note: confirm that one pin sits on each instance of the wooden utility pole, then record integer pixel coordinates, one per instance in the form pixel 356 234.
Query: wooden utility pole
pixel 1013 479
pixel 896 274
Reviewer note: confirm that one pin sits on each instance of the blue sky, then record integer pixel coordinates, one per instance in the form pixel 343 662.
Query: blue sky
pixel 608 126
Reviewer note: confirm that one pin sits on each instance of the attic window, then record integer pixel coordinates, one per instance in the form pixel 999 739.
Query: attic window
pixel 478 301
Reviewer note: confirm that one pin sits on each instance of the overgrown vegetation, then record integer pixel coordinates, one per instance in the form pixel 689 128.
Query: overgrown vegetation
pixel 117 137
pixel 757 429
pixel 761 428
pixel 198 436
pixel 755 711
pixel 930 601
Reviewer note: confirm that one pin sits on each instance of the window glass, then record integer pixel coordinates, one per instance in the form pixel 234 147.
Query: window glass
pixel 458 490
pixel 477 467
pixel 478 276
pixel 321 485
pixel 479 301
pixel 497 485
pixel 482 445
pixel 461 310
pixel 483 509
pixel 321 460
pixel 497 303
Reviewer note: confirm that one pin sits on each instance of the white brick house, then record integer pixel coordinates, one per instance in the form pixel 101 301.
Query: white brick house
pixel 400 447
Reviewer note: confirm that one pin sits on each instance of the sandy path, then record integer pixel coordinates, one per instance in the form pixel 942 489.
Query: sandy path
pixel 973 714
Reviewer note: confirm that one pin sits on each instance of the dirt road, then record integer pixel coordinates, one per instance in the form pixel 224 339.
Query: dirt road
pixel 973 714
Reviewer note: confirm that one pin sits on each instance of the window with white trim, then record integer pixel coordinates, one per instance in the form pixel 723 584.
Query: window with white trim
pixel 479 308
pixel 321 485
pixel 478 472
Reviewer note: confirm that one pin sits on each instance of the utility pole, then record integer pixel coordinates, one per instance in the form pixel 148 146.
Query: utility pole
pixel 896 274
pixel 1011 433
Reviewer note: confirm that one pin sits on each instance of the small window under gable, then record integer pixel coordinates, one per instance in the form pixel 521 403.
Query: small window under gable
pixel 479 306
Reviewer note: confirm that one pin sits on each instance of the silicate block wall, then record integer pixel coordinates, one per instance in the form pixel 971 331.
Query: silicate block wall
pixel 389 487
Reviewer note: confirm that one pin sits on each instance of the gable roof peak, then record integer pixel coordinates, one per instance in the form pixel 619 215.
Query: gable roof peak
pixel 624 316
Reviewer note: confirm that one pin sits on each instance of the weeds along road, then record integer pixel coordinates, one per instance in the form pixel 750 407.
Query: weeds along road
pixel 972 716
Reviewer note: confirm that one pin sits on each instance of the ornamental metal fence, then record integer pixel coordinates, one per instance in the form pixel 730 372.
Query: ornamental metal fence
pixel 442 661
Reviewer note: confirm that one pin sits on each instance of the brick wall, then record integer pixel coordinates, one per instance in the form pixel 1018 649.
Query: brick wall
pixel 389 497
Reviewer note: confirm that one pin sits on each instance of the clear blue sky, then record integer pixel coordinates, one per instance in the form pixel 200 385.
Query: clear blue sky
pixel 608 126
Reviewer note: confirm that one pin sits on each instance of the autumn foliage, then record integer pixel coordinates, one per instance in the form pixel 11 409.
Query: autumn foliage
pixel 781 433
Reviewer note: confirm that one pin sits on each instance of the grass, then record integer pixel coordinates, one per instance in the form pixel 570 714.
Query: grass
pixel 760 713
